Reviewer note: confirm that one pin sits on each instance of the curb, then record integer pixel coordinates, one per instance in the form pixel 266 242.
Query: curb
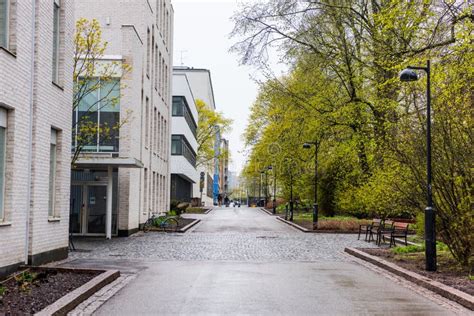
pixel 267 212
pixel 444 290
pixel 208 211
pixel 68 302
pixel 187 227
pixel 293 224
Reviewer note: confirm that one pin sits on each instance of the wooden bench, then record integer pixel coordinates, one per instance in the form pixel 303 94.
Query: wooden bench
pixel 367 227
pixel 399 230
pixel 385 227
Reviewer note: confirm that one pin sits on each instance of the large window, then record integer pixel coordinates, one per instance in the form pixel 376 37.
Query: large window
pixel 4 22
pixel 181 108
pixel 181 147
pixel 3 149
pixel 56 34
pixel 52 172
pixel 97 118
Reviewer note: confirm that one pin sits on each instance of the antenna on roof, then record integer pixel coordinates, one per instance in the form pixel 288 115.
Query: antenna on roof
pixel 182 55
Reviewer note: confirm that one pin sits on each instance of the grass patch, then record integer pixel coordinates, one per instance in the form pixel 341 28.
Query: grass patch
pixel 196 210
pixel 335 223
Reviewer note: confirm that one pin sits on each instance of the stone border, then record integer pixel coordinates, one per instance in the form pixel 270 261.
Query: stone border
pixel 190 225
pixel 444 290
pixel 209 210
pixel 268 212
pixel 305 230
pixel 69 301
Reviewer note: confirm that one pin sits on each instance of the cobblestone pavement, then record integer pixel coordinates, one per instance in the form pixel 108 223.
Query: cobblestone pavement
pixel 273 241
pixel 243 261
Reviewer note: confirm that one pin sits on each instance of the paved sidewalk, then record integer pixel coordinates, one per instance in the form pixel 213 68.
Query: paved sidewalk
pixel 243 261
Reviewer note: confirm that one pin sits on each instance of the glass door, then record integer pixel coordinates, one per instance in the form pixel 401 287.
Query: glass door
pixel 77 206
pixel 96 207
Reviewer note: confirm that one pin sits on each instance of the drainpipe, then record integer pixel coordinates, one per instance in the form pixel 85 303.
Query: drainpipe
pixel 30 131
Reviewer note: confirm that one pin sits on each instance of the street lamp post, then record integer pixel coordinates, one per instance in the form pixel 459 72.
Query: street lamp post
pixel 408 74
pixel 291 197
pixel 274 189
pixel 315 205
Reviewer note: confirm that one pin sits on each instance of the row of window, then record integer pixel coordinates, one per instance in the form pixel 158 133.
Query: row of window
pixel 163 20
pixel 181 147
pixel 180 107
pixel 156 66
pixel 53 162
pixel 155 188
pixel 156 131
pixel 8 27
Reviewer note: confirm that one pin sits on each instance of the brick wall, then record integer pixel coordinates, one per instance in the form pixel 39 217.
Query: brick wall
pixel 51 109
pixel 125 24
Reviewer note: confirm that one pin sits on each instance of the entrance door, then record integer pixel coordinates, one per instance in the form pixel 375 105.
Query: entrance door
pixel 96 207
pixel 77 205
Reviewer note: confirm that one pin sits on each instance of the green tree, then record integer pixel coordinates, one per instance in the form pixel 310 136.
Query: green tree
pixel 209 122
pixel 345 58
pixel 97 86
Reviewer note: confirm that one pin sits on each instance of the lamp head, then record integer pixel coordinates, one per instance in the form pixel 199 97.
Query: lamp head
pixel 306 146
pixel 408 74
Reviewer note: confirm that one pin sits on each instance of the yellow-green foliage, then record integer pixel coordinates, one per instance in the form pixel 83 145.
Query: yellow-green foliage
pixel 209 120
pixel 343 91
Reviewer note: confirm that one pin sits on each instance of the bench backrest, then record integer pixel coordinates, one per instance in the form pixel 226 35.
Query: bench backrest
pixel 388 224
pixel 400 226
pixel 376 222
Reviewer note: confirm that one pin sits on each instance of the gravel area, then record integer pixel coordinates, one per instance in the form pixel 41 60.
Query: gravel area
pixel 45 289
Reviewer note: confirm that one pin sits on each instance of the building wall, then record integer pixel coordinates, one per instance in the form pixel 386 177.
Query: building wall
pixel 48 237
pixel 146 134
pixel 201 86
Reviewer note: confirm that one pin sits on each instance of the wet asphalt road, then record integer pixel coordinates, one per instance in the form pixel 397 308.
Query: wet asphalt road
pixel 245 262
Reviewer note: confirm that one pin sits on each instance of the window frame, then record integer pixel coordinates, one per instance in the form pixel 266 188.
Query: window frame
pixel 56 41
pixel 4 126
pixel 7 26
pixel 53 165
pixel 116 83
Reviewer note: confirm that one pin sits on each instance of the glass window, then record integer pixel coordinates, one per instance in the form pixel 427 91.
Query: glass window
pixel 176 148
pixel 97 117
pixel 3 145
pixel 178 109
pixel 4 23
pixel 109 116
pixel 55 42
pixel 52 172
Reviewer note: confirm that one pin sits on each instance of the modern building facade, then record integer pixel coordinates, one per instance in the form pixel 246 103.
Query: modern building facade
pixel 184 176
pixel 201 87
pixel 117 184
pixel 35 128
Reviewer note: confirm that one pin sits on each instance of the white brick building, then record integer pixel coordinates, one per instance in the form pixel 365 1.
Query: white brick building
pixel 35 126
pixel 139 33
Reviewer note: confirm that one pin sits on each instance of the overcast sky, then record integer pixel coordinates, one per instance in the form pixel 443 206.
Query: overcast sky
pixel 201 30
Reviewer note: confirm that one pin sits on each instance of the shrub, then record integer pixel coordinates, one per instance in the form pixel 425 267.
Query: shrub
pixel 408 249
pixel 3 291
